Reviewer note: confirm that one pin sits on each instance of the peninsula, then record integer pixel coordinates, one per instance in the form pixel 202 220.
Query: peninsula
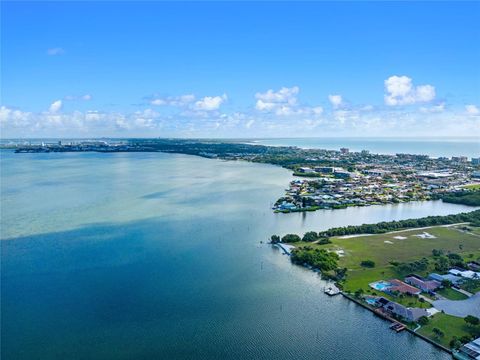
pixel 327 179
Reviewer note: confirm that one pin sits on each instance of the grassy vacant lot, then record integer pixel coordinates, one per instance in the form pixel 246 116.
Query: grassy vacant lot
pixel 406 247
pixel 384 248
pixel 450 325
pixel 452 294
pixel 473 186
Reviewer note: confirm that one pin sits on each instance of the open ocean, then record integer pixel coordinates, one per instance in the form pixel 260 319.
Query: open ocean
pixel 434 147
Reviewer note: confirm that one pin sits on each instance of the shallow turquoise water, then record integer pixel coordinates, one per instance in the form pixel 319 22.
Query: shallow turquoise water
pixel 121 256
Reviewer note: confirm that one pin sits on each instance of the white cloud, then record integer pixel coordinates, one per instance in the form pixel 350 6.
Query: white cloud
pixel 249 124
pixel 55 106
pixel 335 100
pixel 179 101
pixel 14 117
pixel 284 102
pixel 425 93
pixel 401 91
pixel 209 103
pixel 272 100
pixel 367 108
pixel 55 51
pixel 284 95
pixel 472 110
pixel 433 109
pixel 86 97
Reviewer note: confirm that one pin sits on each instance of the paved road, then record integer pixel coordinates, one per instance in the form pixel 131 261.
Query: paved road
pixel 461 308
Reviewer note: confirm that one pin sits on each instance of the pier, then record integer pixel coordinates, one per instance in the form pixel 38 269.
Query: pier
pixel 287 249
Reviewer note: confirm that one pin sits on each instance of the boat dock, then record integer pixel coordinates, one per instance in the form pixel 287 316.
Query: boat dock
pixel 287 249
pixel 397 327
pixel 331 290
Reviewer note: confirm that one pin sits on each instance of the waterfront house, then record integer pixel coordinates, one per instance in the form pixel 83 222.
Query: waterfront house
pixel 401 287
pixel 421 283
pixel 468 351
pixel 398 310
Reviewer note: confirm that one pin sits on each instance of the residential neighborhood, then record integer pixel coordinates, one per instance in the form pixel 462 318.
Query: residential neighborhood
pixel 329 187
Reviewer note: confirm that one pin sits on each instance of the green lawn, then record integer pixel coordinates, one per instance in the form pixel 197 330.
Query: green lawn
pixel 452 294
pixel 450 325
pixel 473 186
pixel 384 248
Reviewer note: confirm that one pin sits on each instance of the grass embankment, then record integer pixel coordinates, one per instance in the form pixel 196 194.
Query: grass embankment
pixel 451 326
pixel 451 294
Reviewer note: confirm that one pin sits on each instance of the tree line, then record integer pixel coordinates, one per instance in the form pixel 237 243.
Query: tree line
pixel 471 198
pixel 322 237
pixel 386 226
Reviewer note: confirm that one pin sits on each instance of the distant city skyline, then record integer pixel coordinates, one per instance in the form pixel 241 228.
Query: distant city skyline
pixel 225 69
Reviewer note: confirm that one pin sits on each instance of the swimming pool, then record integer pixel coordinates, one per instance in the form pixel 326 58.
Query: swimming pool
pixel 381 285
pixel 371 301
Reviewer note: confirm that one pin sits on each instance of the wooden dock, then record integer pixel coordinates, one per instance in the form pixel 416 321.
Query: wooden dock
pixel 331 290
pixel 397 327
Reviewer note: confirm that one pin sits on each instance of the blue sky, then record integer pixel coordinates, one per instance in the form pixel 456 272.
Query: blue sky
pixel 226 69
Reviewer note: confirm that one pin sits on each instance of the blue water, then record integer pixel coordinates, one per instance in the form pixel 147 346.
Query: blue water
pixel 159 256
pixel 434 147
pixel 381 285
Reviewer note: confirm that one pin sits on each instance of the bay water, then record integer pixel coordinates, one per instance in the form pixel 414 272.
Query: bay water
pixel 150 255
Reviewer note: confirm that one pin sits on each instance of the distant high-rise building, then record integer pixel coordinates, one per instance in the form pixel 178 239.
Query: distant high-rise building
pixel 344 150
pixel 460 159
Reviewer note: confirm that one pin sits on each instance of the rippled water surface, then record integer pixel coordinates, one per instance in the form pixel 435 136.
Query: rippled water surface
pixel 143 256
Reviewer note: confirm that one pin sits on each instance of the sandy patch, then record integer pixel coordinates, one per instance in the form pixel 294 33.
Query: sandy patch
pixel 340 252
pixel 400 237
pixel 353 236
pixel 426 235
pixel 388 242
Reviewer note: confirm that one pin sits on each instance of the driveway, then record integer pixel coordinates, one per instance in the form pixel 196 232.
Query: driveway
pixel 461 308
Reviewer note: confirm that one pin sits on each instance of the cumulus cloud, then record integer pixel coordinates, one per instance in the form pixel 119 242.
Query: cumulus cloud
pixel 472 110
pixel 401 91
pixel 14 117
pixel 209 103
pixel 284 102
pixel 335 100
pixel 56 106
pixel 249 124
pixel 283 98
pixel 55 51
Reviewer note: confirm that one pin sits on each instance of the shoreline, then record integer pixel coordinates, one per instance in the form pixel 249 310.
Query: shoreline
pixel 365 306
pixel 358 302
pixel 309 256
